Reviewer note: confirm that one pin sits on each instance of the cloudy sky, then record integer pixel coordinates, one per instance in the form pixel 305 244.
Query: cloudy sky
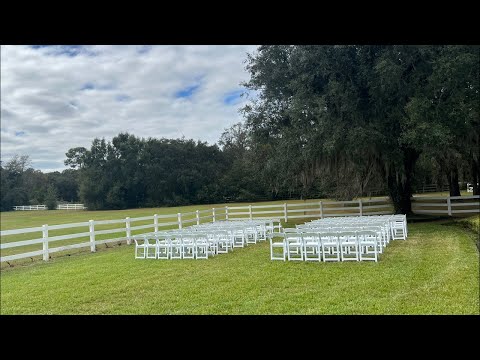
pixel 54 98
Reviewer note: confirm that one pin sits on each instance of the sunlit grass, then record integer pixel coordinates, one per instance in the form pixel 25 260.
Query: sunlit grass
pixel 436 271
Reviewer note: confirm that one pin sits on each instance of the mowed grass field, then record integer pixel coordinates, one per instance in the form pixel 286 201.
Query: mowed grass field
pixel 436 271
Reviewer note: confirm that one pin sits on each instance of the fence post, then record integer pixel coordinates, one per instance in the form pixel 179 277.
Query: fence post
pixel 449 205
pixel 198 217
pixel 213 215
pixel 45 242
pixel 179 220
pixel 321 209
pixel 129 233
pixel 285 212
pixel 91 228
pixel 155 222
pixel 360 206
pixel 226 212
pixel 250 211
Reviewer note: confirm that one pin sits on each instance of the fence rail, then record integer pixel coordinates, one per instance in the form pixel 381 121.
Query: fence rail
pixel 448 205
pixel 44 207
pixel 71 207
pixel 30 207
pixel 90 230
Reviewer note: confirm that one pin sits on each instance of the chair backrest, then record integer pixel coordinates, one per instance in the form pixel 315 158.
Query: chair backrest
pixel 370 233
pixel 292 236
pixel 311 236
pixel 136 239
pixel 328 236
pixel 146 240
pixel 276 235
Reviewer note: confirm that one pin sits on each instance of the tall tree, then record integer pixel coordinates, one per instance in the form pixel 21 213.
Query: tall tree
pixel 341 110
pixel 14 190
pixel 446 111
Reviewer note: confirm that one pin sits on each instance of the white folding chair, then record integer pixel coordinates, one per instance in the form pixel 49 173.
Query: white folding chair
pixel 140 248
pixel 223 241
pixel 188 246
pixel 330 246
pixel 279 244
pixel 399 227
pixel 381 236
pixel 238 236
pixel 150 246
pixel 262 231
pixel 251 234
pixel 312 247
pixel 176 246
pixel 368 245
pixel 163 247
pixel 201 246
pixel 294 244
pixel 212 243
pixel 348 246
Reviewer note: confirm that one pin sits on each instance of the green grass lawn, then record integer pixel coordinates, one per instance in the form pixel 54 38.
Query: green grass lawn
pixel 471 222
pixel 436 271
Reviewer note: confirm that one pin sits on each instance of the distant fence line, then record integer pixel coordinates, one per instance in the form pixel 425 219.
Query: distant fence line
pixel 446 205
pixel 451 205
pixel 44 207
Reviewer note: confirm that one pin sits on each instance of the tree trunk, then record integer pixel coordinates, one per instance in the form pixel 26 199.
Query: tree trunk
pixel 400 187
pixel 453 181
pixel 400 193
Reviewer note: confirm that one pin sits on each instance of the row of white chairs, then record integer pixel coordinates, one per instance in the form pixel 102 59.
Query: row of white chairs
pixel 381 229
pixel 242 232
pixel 202 241
pixel 181 245
pixel 325 246
pixel 338 239
pixel 396 224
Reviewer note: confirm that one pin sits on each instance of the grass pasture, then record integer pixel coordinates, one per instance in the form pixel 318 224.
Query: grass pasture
pixel 436 271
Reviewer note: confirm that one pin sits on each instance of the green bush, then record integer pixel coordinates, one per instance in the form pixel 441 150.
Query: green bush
pixel 51 198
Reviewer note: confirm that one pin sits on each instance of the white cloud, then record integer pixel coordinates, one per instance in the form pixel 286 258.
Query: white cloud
pixel 45 112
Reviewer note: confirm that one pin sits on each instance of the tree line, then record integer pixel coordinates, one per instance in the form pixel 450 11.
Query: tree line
pixel 326 121
pixel 23 185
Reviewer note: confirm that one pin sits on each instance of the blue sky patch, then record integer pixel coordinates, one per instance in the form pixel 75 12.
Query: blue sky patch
pixel 122 98
pixel 19 133
pixel 187 92
pixel 88 86
pixel 232 98
pixel 66 50
pixel 143 49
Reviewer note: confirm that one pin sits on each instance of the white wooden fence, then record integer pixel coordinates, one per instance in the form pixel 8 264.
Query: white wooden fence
pixel 44 207
pixel 71 207
pixel 89 229
pixel 286 211
pixel 446 205
pixel 30 207
pixel 312 209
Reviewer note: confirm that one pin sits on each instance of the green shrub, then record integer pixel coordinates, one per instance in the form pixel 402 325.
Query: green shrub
pixel 51 198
